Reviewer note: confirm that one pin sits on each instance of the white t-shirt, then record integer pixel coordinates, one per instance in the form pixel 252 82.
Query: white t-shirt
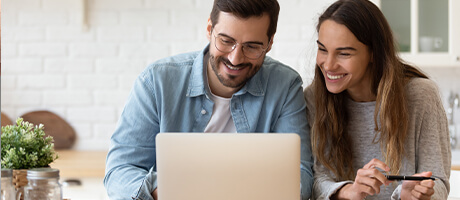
pixel 221 119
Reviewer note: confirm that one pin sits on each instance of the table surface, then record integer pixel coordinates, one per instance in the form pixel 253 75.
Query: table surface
pixel 89 167
pixel 89 189
pixel 72 163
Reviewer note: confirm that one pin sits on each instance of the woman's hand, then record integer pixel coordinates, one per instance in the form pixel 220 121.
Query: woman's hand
pixel 367 182
pixel 412 190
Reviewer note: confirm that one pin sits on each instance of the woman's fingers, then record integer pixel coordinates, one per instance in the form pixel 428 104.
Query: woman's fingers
pixel 428 183
pixel 420 189
pixel 372 178
pixel 424 189
pixel 369 186
pixel 373 173
pixel 377 163
pixel 369 178
pixel 422 192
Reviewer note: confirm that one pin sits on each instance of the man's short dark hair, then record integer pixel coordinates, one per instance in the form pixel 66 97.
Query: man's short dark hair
pixel 248 8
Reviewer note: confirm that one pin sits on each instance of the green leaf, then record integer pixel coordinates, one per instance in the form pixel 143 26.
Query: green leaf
pixel 24 146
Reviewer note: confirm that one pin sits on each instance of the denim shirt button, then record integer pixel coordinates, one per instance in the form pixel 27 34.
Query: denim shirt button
pixel 203 111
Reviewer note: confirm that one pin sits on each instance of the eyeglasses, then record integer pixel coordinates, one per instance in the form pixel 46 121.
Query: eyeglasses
pixel 250 50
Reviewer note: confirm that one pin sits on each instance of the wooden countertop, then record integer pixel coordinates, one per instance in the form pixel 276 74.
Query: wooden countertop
pixel 74 164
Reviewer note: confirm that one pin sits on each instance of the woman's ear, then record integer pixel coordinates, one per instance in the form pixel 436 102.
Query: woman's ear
pixel 209 29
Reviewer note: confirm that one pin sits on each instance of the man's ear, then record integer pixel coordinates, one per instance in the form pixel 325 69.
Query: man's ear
pixel 270 44
pixel 209 29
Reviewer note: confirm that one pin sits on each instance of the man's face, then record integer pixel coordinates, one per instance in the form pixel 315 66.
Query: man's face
pixel 233 69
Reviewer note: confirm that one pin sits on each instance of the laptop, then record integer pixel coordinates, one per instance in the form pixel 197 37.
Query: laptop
pixel 228 166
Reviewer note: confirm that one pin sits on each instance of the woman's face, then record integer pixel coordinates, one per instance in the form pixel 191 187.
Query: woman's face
pixel 344 61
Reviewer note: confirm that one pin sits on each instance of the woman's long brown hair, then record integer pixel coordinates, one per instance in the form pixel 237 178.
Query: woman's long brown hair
pixel 331 142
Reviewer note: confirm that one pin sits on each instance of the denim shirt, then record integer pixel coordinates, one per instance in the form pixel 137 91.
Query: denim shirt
pixel 170 95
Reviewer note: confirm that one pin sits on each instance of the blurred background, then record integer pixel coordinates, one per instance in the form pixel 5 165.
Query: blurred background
pixel 79 58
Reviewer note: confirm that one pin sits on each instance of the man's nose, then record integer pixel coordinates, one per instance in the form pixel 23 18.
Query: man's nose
pixel 236 57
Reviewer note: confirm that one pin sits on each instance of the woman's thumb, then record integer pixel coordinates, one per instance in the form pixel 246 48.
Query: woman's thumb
pixel 424 174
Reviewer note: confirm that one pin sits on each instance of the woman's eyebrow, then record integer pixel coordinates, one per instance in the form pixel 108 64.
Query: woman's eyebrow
pixel 346 48
pixel 339 49
pixel 319 43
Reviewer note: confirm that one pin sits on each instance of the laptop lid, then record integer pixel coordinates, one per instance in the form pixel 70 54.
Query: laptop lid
pixel 211 166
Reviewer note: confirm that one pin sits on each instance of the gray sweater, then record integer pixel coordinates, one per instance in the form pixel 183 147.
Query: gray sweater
pixel 427 147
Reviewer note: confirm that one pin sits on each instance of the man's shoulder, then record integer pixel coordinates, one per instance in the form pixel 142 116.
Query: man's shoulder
pixel 170 68
pixel 278 70
pixel 276 66
pixel 275 78
pixel 172 64
pixel 184 59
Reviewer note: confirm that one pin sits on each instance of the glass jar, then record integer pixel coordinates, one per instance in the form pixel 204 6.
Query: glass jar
pixel 8 191
pixel 43 184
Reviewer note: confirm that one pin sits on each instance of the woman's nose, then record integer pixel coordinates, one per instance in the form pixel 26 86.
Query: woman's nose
pixel 329 63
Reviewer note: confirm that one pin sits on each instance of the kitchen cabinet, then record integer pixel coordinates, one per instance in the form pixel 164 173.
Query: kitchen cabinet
pixel 427 31
pixel 454 185
pixel 455 162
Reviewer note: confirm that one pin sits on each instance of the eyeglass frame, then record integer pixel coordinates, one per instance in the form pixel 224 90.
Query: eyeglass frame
pixel 236 44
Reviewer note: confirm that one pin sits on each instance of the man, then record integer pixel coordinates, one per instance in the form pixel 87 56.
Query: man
pixel 230 86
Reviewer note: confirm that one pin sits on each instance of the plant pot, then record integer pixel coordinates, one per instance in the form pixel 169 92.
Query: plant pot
pixel 20 180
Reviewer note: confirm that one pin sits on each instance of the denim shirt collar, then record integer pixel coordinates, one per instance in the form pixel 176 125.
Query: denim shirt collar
pixel 198 82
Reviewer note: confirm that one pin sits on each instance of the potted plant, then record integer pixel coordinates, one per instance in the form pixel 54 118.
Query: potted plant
pixel 24 146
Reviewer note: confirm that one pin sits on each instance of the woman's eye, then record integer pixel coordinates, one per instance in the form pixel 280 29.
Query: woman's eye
pixel 344 54
pixel 322 50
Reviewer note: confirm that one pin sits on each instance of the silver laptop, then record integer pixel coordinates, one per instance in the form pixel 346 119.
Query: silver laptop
pixel 221 166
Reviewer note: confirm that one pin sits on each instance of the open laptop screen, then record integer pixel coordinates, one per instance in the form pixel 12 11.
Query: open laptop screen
pixel 211 166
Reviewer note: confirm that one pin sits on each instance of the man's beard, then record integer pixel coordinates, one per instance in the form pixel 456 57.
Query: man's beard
pixel 232 81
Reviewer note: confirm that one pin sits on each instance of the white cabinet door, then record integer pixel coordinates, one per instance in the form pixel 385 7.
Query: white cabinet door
pixel 427 31
pixel 454 185
pixel 454 9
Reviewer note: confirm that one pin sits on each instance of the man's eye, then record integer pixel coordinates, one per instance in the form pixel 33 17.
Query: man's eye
pixel 227 42
pixel 253 46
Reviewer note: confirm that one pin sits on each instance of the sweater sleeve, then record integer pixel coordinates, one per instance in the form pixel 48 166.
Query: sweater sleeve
pixel 432 145
pixel 324 185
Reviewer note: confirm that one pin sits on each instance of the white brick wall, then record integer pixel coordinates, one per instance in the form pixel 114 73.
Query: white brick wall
pixel 51 62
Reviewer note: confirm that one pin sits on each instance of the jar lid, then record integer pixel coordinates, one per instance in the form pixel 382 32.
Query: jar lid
pixel 42 173
pixel 7 173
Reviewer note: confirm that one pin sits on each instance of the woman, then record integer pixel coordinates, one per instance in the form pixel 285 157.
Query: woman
pixel 371 114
